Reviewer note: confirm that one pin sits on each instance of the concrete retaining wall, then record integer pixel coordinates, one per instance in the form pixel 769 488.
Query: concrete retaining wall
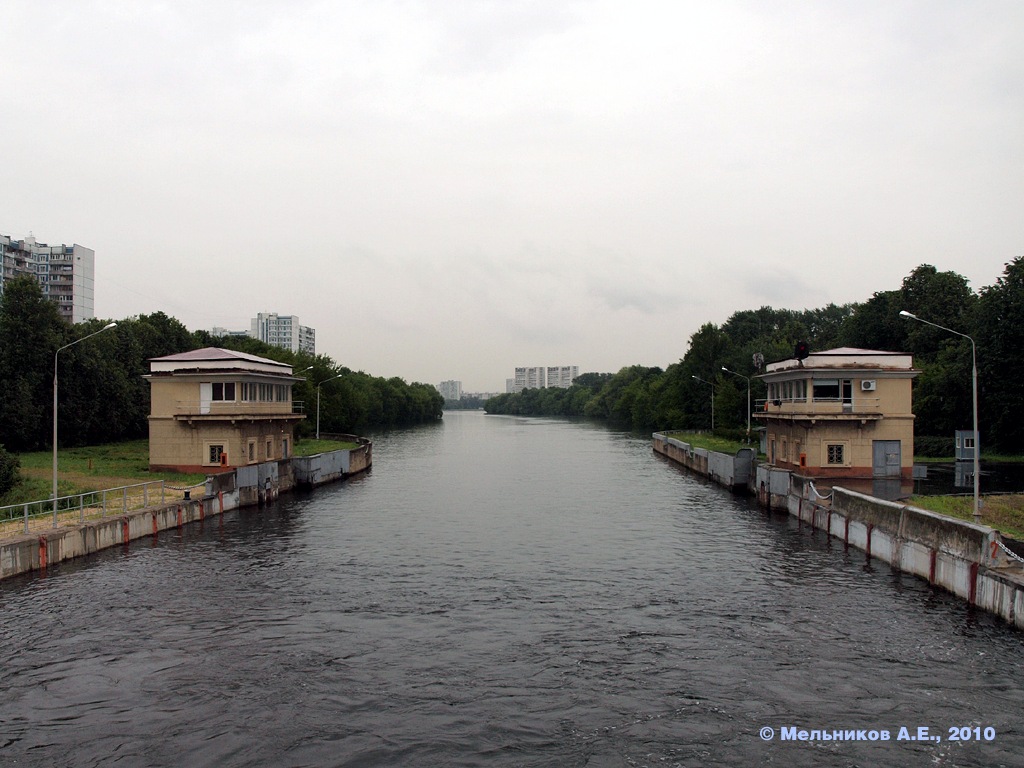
pixel 734 472
pixel 36 551
pixel 225 491
pixel 959 556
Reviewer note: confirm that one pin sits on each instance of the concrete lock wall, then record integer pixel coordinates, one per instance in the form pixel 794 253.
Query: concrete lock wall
pixel 730 471
pixel 223 492
pixel 959 556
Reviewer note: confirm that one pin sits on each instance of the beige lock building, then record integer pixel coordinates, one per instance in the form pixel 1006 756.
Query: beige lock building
pixel 216 408
pixel 841 413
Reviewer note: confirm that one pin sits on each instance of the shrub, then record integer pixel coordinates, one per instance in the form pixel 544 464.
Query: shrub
pixel 934 447
pixel 9 466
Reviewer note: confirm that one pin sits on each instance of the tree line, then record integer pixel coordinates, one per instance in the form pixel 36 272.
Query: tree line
pixel 103 397
pixel 679 397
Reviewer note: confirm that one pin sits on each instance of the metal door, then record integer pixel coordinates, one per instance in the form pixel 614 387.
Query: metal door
pixel 885 458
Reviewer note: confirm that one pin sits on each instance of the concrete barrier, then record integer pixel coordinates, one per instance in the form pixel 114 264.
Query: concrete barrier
pixel 961 557
pixel 733 472
pixel 225 491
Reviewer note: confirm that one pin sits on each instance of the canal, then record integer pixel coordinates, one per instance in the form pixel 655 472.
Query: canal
pixel 501 592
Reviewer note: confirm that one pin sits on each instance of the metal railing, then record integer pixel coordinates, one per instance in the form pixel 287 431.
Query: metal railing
pixel 79 507
pixel 240 408
pixel 818 405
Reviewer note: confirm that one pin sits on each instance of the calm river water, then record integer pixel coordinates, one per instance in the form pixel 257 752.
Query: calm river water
pixel 499 592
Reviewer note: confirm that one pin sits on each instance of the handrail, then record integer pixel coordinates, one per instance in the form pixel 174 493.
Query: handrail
pixel 89 504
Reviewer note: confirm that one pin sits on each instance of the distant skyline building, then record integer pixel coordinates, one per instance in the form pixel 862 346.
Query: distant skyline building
pixel 218 331
pixel 539 377
pixel 450 390
pixel 283 331
pixel 529 378
pixel 562 375
pixel 66 273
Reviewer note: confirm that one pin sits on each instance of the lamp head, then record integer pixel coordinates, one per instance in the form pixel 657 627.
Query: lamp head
pixel 907 315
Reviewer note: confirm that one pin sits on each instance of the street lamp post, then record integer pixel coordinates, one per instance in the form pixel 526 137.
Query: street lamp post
pixel 748 396
pixel 107 327
pixel 698 378
pixel 318 402
pixel 974 393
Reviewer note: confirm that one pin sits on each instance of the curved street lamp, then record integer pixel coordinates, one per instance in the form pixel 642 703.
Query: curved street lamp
pixel 698 378
pixel 107 327
pixel 974 392
pixel 332 378
pixel 748 396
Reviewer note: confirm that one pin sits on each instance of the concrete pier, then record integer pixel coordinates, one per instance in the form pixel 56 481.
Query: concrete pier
pixel 242 487
pixel 961 557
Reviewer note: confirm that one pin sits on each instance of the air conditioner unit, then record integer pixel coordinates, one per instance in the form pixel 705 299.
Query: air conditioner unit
pixel 867 386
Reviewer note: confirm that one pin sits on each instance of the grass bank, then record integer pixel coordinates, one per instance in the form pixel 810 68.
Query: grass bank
pixel 711 442
pixel 100 467
pixel 311 446
pixel 1005 513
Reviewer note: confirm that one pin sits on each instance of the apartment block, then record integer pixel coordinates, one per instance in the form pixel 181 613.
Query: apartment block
pixel 539 377
pixel 450 390
pixel 66 273
pixel 283 331
pixel 529 378
pixel 562 375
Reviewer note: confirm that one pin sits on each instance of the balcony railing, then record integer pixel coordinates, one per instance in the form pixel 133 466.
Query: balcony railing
pixel 819 406
pixel 241 408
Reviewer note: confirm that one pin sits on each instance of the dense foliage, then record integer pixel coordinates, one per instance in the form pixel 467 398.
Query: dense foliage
pixel 104 397
pixel 679 397
pixel 8 471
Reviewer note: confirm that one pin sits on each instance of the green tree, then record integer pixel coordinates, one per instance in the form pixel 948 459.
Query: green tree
pixel 31 329
pixel 999 333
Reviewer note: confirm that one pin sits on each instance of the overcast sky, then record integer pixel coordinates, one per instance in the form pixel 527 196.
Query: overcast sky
pixel 446 190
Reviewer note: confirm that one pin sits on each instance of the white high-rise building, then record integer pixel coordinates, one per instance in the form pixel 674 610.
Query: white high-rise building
pixel 540 377
pixel 529 378
pixel 283 331
pixel 66 273
pixel 450 390
pixel 562 375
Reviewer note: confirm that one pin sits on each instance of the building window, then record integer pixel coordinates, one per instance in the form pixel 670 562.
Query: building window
pixel 826 389
pixel 836 454
pixel 224 390
pixel 284 448
pixel 270 449
pixel 252 451
pixel 215 453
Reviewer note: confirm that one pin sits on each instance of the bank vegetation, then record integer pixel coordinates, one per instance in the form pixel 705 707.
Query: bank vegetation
pixel 679 397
